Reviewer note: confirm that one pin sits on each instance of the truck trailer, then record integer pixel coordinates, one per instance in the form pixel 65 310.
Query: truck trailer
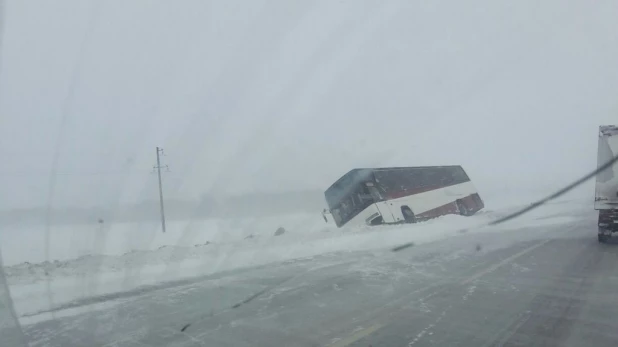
pixel 606 188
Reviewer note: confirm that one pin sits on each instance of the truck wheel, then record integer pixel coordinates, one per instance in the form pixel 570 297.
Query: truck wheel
pixel 602 238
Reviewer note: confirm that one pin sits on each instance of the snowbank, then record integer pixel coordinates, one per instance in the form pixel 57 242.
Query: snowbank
pixel 192 252
pixel 28 244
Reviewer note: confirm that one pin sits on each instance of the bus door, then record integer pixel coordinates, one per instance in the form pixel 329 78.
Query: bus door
pixel 380 203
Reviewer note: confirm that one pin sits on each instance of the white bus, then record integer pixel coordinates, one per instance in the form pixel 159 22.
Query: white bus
pixel 401 195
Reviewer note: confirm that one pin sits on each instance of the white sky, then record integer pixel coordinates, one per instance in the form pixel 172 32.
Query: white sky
pixel 289 95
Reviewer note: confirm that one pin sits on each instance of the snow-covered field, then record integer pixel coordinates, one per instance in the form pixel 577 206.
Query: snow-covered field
pixel 92 261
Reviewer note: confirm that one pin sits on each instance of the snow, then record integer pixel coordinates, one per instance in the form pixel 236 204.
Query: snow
pixel 306 81
pixel 133 256
pixel 70 242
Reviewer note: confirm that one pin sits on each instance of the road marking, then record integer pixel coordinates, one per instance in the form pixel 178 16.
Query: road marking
pixel 357 336
pixel 502 263
pixel 373 328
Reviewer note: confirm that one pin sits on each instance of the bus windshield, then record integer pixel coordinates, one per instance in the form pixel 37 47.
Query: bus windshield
pixel 350 195
pixel 350 205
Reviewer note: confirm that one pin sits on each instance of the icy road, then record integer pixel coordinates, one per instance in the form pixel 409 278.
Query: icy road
pixel 549 284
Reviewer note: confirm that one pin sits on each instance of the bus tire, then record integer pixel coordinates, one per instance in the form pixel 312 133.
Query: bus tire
pixel 408 215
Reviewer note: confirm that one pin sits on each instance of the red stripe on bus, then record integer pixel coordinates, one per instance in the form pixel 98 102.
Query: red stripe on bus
pixel 450 208
pixel 472 202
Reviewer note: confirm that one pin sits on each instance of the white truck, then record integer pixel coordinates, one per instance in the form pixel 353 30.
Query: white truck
pixel 606 190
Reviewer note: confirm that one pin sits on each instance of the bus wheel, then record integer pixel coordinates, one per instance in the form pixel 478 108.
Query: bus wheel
pixel 408 215
pixel 462 208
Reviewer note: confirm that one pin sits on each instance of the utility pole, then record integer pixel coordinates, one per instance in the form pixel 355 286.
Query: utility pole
pixel 158 167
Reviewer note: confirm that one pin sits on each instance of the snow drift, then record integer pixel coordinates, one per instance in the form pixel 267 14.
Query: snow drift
pixel 189 253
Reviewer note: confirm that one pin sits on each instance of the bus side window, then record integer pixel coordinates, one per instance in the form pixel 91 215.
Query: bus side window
pixel 446 177
pixel 457 175
pixel 461 175
pixel 424 179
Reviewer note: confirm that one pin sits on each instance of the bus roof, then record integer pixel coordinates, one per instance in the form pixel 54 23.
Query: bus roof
pixel 413 167
pixel 361 173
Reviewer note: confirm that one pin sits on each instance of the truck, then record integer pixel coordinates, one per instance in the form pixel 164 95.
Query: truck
pixel 606 186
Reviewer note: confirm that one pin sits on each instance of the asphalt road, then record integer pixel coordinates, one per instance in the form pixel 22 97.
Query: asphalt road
pixel 542 286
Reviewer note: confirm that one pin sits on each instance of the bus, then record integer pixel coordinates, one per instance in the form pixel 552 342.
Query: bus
pixel 376 196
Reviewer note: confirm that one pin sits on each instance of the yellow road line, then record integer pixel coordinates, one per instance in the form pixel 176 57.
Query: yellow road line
pixel 357 336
